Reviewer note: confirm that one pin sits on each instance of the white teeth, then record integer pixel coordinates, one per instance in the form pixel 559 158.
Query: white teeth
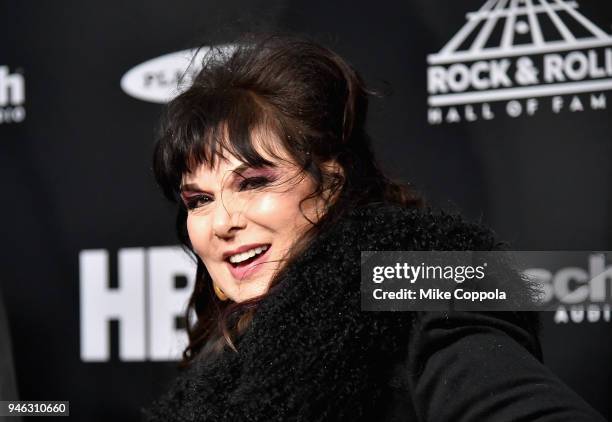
pixel 238 258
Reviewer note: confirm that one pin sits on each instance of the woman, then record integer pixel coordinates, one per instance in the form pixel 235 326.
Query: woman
pixel 278 192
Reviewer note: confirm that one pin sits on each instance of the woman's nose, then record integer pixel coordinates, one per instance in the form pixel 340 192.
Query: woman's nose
pixel 227 218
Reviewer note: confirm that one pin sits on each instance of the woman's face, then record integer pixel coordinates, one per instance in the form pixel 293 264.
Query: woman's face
pixel 242 221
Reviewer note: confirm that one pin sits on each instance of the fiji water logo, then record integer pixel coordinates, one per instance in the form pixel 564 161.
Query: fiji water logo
pixel 161 79
pixel 516 57
pixel 12 96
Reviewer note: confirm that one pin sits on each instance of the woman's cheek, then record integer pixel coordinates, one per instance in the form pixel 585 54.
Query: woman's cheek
pixel 280 210
pixel 196 228
pixel 266 209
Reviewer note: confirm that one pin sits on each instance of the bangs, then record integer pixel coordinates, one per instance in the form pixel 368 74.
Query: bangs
pixel 202 129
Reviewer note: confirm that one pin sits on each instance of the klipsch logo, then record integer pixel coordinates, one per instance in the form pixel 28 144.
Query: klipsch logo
pixel 515 57
pixel 583 293
pixel 160 79
pixel 12 96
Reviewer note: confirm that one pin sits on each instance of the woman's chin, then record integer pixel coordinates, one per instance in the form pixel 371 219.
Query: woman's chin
pixel 243 293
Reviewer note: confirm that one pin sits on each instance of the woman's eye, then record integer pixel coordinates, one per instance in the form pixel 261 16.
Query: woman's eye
pixel 253 182
pixel 196 201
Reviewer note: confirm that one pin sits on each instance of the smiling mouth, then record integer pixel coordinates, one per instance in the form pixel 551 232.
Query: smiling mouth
pixel 248 260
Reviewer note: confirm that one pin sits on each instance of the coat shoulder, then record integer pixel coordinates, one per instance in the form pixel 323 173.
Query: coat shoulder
pixel 388 226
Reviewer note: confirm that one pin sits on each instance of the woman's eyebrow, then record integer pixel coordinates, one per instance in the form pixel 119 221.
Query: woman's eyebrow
pixel 239 169
pixel 236 171
pixel 189 186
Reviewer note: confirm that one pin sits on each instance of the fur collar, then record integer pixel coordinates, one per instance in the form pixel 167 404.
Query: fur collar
pixel 310 353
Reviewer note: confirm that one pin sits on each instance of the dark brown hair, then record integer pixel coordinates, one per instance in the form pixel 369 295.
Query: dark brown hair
pixel 315 103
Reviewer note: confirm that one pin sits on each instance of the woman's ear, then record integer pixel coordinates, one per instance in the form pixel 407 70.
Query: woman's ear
pixel 333 180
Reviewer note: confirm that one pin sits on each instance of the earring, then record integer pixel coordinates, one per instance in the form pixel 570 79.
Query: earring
pixel 222 296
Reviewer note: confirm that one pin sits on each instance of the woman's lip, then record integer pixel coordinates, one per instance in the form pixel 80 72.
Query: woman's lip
pixel 248 270
pixel 243 248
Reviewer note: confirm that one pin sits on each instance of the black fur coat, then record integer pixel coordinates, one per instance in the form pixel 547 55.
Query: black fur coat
pixel 310 354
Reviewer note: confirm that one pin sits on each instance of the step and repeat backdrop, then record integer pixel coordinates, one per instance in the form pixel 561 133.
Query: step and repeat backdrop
pixel 500 109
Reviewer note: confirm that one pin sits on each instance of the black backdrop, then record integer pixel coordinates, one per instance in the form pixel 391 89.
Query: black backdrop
pixel 77 186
